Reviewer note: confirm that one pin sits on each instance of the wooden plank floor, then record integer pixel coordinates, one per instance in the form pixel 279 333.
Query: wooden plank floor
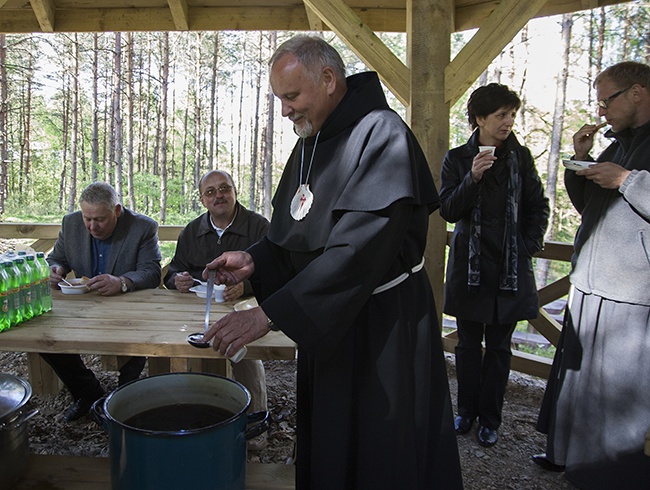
pixel 88 473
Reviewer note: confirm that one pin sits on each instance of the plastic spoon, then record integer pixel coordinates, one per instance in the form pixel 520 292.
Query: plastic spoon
pixel 195 339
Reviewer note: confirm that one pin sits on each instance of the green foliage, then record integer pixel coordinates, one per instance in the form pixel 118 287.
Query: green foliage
pixel 547 352
pixel 44 66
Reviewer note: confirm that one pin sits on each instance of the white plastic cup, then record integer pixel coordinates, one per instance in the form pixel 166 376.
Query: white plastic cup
pixel 239 355
pixel 485 148
pixel 217 292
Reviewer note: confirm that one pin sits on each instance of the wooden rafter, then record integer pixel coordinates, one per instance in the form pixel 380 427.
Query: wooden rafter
pixel 365 43
pixel 507 19
pixel 315 23
pixel 180 14
pixel 16 16
pixel 45 13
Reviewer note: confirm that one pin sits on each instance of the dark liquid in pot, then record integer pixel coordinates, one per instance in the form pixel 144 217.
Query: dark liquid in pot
pixel 179 417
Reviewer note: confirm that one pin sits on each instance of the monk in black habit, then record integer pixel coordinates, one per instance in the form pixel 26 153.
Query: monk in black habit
pixel 341 273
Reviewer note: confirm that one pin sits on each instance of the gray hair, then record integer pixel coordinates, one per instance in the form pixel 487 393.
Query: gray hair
pixel 100 193
pixel 312 52
pixel 626 74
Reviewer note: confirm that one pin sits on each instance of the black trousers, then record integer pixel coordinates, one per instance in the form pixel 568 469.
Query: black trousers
pixel 81 381
pixel 482 377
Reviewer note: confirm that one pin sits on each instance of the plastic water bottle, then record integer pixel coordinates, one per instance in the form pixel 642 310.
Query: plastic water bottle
pixel 5 320
pixel 35 284
pixel 24 281
pixel 46 291
pixel 15 307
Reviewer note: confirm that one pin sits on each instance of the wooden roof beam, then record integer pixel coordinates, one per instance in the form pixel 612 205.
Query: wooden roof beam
pixel 589 4
pixel 315 23
pixel 365 43
pixel 505 21
pixel 180 14
pixel 44 11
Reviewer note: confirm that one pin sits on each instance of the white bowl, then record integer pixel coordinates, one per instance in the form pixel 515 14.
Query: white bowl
pixel 201 291
pixel 78 287
pixel 577 164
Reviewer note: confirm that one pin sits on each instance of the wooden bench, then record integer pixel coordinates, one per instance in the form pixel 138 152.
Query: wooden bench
pixel 88 473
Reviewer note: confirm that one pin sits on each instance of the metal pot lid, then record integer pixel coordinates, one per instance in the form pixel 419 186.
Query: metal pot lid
pixel 14 393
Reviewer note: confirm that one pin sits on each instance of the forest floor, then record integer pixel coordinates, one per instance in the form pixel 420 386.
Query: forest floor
pixel 507 465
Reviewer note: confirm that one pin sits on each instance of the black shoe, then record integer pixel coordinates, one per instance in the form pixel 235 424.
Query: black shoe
pixel 487 437
pixel 543 461
pixel 462 425
pixel 77 410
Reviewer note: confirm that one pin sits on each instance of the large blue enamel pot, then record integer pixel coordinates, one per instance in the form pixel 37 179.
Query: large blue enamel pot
pixel 209 457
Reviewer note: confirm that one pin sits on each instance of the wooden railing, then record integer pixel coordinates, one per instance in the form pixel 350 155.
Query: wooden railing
pixel 545 324
pixel 44 236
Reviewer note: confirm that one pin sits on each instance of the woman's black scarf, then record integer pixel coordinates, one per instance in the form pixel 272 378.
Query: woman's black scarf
pixel 508 275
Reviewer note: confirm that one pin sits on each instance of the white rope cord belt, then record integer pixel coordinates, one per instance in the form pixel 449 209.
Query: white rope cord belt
pixel 399 279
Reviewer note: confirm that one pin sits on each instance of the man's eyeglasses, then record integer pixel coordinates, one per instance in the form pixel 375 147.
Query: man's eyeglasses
pixel 602 103
pixel 211 191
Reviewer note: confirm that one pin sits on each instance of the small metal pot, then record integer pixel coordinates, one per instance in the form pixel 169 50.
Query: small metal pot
pixel 14 437
pixel 207 457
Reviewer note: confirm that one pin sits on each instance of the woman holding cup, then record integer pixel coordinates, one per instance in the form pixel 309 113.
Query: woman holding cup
pixel 491 190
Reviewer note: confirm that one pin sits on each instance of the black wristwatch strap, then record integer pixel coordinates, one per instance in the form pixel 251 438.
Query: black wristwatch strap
pixel 272 325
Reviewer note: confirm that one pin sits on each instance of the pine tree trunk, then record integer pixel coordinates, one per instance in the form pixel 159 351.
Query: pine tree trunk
pixel 4 140
pixel 267 176
pixel 117 115
pixel 214 109
pixel 94 139
pixel 75 125
pixel 163 141
pixel 256 128
pixel 556 143
pixel 129 121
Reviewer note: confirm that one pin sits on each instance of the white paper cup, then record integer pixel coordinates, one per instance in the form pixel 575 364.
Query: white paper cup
pixel 218 292
pixel 485 148
pixel 237 356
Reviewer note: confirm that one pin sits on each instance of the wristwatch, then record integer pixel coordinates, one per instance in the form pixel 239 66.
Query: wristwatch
pixel 272 325
pixel 124 286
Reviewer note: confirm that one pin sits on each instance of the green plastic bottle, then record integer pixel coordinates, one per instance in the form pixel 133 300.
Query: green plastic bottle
pixel 46 291
pixel 5 320
pixel 15 307
pixel 35 284
pixel 24 281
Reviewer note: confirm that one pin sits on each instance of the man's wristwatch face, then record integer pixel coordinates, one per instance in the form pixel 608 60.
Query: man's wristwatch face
pixel 124 286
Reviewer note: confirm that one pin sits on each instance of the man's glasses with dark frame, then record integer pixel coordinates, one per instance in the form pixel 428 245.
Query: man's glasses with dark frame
pixel 211 191
pixel 602 103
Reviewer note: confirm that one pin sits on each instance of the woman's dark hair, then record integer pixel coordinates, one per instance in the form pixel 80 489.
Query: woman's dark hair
pixel 488 99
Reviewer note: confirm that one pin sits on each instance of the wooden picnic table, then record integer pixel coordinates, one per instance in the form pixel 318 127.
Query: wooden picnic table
pixel 152 323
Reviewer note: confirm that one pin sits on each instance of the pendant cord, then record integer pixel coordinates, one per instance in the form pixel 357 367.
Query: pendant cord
pixel 311 161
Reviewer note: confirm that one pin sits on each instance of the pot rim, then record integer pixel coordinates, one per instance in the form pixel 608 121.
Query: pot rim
pixel 14 395
pixel 190 432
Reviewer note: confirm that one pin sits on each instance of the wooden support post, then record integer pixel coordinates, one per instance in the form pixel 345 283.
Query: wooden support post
pixel 429 24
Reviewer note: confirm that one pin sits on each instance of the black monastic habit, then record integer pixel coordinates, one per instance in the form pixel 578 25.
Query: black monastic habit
pixel 374 410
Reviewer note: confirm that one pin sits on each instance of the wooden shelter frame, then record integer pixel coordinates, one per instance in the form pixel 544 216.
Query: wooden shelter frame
pixel 428 84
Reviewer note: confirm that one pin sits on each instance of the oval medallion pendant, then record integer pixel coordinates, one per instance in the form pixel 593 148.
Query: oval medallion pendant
pixel 301 202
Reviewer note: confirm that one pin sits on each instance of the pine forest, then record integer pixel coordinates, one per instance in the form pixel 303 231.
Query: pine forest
pixel 152 112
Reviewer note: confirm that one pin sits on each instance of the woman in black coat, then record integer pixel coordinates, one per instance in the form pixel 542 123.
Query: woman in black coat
pixel 496 199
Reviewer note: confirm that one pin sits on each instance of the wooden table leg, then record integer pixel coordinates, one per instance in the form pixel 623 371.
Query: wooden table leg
pixel 41 376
